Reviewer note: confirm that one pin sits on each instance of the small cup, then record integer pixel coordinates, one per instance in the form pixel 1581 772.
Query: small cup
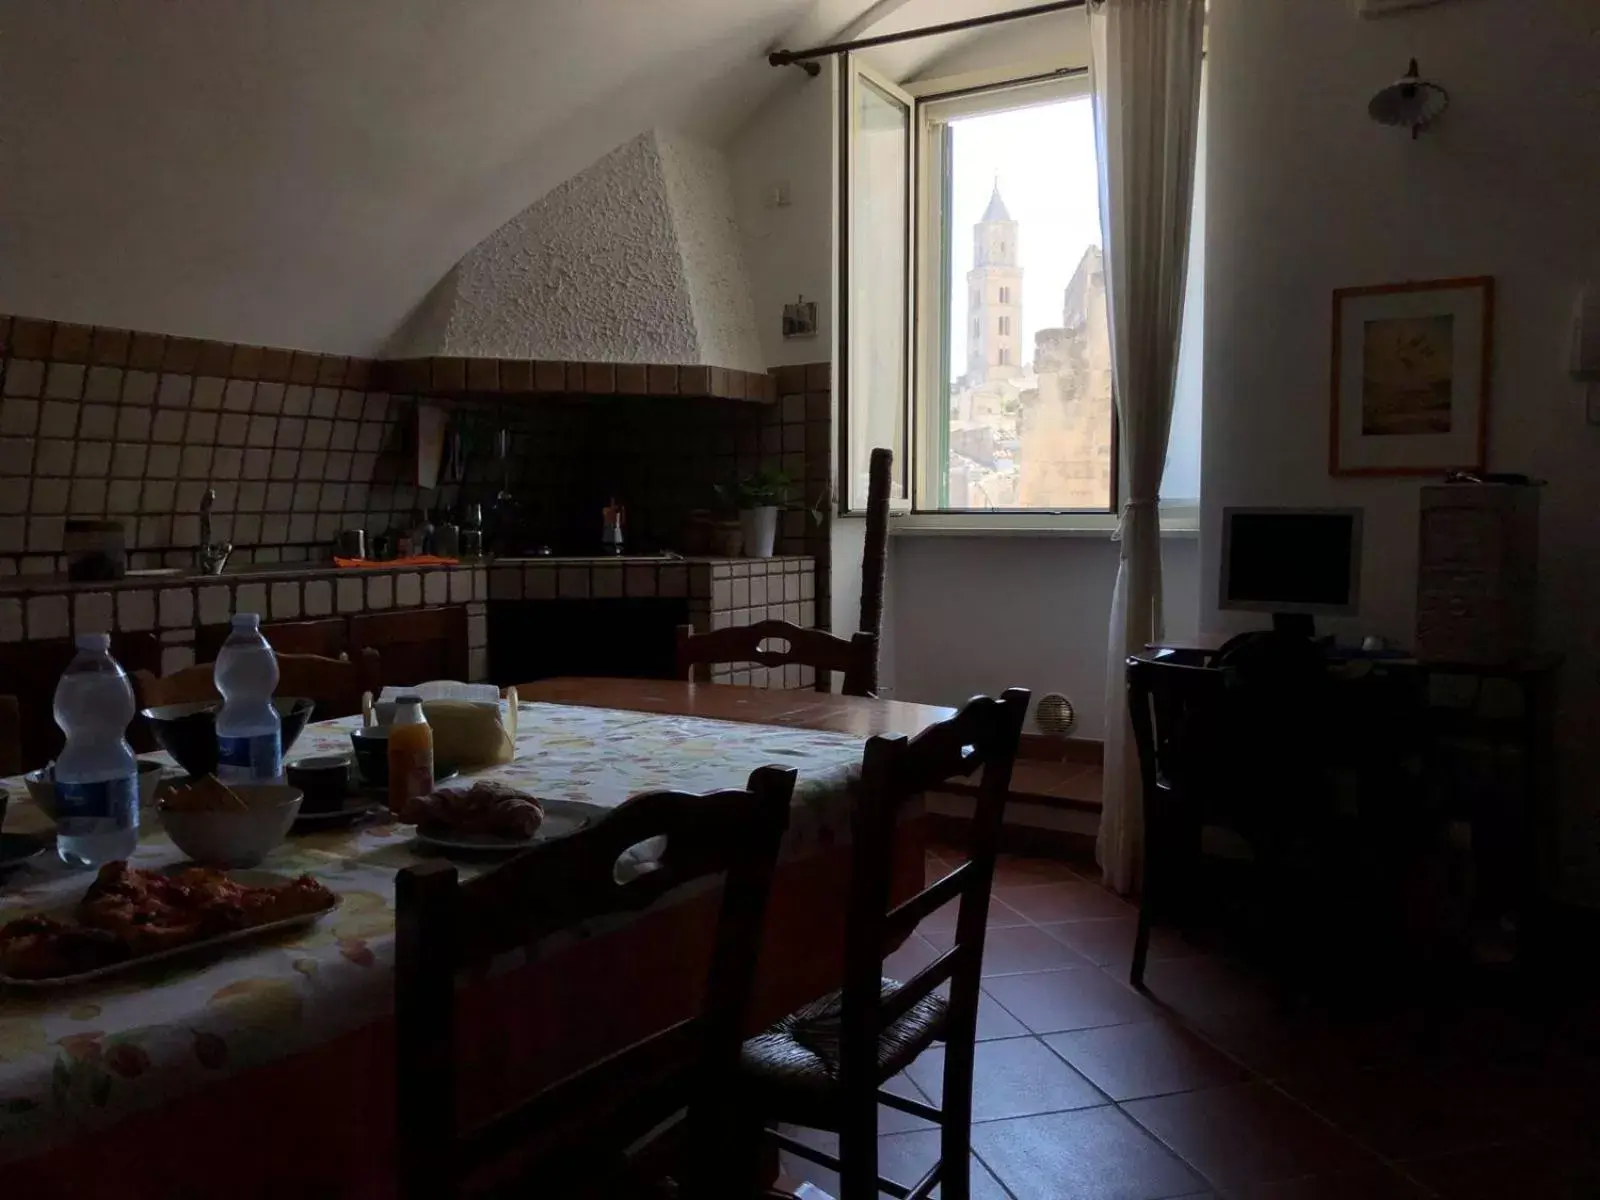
pixel 324 778
pixel 372 755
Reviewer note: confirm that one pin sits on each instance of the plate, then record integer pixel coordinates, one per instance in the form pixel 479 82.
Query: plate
pixel 256 878
pixel 562 818
pixel 352 810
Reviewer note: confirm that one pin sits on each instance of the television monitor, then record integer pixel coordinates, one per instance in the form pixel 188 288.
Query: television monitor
pixel 1295 563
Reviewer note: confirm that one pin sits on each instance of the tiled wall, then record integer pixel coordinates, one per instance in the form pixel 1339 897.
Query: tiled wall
pixel 135 427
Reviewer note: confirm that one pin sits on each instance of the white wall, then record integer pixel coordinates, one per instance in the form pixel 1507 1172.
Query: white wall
pixel 1307 195
pixel 982 614
pixel 788 249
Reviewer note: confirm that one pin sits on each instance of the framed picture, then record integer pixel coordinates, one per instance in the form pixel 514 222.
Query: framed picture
pixel 1411 368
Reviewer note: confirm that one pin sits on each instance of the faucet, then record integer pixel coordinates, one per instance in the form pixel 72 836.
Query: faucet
pixel 210 556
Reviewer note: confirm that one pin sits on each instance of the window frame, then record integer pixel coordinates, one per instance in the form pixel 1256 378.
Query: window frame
pixel 930 385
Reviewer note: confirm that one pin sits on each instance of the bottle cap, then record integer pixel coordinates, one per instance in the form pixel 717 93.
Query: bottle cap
pixel 408 698
pixel 93 642
pixel 246 621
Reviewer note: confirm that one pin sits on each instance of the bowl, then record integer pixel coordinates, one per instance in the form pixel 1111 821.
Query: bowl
pixel 236 839
pixel 372 754
pixel 188 732
pixel 324 778
pixel 41 785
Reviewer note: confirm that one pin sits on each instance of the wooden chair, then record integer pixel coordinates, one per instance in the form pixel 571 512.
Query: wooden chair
pixel 857 656
pixel 825 1065
pixel 327 636
pixel 30 671
pixel 334 685
pixel 445 927
pixel 875 554
pixel 10 736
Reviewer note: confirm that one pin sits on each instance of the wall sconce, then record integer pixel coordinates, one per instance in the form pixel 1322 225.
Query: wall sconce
pixel 1409 101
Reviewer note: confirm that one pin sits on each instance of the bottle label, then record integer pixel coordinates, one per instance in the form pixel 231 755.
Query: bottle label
pixel 106 799
pixel 256 759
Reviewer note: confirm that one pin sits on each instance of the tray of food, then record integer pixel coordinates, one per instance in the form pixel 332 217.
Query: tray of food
pixel 131 917
pixel 491 816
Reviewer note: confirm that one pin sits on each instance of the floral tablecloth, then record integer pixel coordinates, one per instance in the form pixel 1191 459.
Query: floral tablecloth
pixel 79 1060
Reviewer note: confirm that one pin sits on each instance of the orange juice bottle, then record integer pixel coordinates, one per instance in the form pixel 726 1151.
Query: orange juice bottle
pixel 410 754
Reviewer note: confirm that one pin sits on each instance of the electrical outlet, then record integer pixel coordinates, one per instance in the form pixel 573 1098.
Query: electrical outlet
pixel 778 195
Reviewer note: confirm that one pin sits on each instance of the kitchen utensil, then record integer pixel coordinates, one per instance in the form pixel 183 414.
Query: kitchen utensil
pixel 188 732
pixel 350 543
pixel 324 778
pixel 96 550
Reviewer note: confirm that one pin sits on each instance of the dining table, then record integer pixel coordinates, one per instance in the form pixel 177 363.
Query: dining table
pixel 266 1068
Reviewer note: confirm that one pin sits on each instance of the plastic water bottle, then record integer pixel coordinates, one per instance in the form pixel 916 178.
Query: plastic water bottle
pixel 249 733
pixel 97 776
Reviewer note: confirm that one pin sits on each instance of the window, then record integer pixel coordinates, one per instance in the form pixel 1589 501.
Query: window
pixel 992 425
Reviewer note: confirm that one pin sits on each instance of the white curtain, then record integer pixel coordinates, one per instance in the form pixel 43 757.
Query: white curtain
pixel 1146 57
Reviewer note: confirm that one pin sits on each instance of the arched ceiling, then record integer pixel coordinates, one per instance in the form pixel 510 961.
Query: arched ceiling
pixel 301 172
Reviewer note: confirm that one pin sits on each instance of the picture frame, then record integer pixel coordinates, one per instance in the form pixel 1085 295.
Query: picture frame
pixel 1411 372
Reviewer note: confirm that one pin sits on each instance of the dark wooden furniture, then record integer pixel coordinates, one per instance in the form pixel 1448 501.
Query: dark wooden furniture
pixel 30 671
pixel 334 685
pixel 856 657
pixel 861 716
pixel 10 736
pixel 875 552
pixel 557 1136
pixel 328 638
pixel 825 1065
pixel 417 645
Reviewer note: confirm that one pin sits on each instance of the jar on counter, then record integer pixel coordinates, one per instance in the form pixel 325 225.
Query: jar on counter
pixel 96 550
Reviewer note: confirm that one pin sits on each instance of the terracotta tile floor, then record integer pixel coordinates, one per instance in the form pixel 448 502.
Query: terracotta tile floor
pixel 1205 1086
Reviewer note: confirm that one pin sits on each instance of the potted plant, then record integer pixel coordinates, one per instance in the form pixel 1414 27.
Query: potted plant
pixel 758 498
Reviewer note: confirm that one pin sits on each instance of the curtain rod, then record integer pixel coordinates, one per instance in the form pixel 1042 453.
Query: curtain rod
pixel 805 58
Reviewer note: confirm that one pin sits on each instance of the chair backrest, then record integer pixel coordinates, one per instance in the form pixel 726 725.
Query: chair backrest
pixel 856 656
pixel 10 736
pixel 875 551
pixel 328 636
pixel 30 671
pixel 895 770
pixel 334 685
pixel 1179 713
pixel 446 927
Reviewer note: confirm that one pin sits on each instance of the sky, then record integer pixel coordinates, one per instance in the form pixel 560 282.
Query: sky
pixel 1044 158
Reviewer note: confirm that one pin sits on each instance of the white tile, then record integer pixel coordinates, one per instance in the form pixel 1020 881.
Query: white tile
pixel 59 418
pixel 380 591
pixel 97 421
pixel 208 392
pixel 177 607
pixel 92 612
pixel 10 619
pixel 54 456
pixel 24 377
pixel 64 381
pixel 168 424
pixel 674 581
pixel 103 384
pixel 721 593
pixel 573 583
pixel 174 390
pixel 285 600
pixel 159 496
pixel 349 595
pixel 136 610
pixel 14 494
pixel 319 597
pixel 50 496
pixel 641 581
pixel 19 417
pixel 16 456
pixel 607 582
pixel 161 462
pixel 460 586
pixel 238 394
pixel 139 387
pixel 122 498
pixel 47 617
pixel 480 583
pixel 408 590
pixel 436 587
pixel 477 631
pixel 88 497
pixel 758 591
pixel 251 598
pixel 213 605
pixel 176 658
pixel 505 583
pixel 133 424
pixel 46 535
pixel 477 665
pixel 539 583
pixel 269 398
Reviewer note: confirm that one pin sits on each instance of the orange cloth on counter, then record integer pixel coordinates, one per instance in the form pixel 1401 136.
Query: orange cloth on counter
pixel 415 560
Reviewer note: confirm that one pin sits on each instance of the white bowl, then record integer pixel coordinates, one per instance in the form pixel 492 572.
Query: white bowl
pixel 41 785
pixel 236 839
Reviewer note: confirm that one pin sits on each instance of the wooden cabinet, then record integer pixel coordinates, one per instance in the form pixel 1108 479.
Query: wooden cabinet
pixel 415 645
pixel 30 671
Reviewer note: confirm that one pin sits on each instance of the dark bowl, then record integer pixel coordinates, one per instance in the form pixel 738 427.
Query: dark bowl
pixel 324 778
pixel 372 755
pixel 188 732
